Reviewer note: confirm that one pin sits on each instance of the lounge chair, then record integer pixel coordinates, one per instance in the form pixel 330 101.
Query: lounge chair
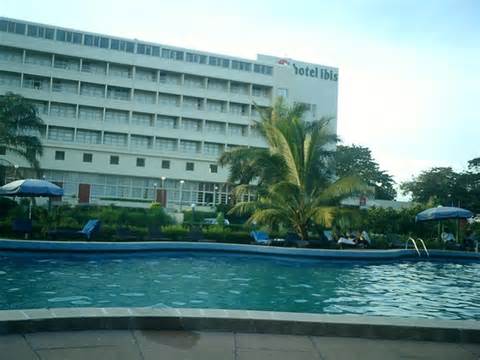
pixel 125 234
pixel 260 238
pixel 91 228
pixel 293 240
pixel 22 226
pixel 326 240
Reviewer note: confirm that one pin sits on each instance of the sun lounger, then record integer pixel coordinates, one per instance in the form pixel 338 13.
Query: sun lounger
pixel 292 239
pixel 260 238
pixel 91 228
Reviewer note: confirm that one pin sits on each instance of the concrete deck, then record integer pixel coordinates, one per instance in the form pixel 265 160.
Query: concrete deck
pixel 173 345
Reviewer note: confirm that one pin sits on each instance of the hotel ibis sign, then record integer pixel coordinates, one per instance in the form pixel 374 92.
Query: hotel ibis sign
pixel 315 72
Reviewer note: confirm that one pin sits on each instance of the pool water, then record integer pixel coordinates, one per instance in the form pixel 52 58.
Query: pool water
pixel 427 289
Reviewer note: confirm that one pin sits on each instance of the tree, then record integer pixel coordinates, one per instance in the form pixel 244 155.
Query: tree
pixel 295 186
pixel 444 186
pixel 20 127
pixel 437 185
pixel 358 160
pixel 474 165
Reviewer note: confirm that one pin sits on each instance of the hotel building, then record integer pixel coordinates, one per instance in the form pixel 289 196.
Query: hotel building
pixel 130 122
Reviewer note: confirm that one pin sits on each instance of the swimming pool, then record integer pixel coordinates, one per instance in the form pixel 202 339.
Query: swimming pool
pixel 428 289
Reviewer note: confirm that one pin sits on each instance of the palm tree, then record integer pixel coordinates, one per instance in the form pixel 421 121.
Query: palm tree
pixel 20 127
pixel 296 185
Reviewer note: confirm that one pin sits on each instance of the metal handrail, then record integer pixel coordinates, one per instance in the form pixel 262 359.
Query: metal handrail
pixel 424 246
pixel 414 244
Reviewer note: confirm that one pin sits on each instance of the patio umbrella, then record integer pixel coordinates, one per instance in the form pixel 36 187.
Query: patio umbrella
pixel 444 213
pixel 31 188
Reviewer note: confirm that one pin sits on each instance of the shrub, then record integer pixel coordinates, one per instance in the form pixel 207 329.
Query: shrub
pixel 175 232
pixel 199 216
pixel 238 237
pixel 216 232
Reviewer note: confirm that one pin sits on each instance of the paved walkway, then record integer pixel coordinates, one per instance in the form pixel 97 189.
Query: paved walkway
pixel 172 345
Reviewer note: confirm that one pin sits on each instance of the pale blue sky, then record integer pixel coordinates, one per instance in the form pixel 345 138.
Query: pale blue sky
pixel 409 70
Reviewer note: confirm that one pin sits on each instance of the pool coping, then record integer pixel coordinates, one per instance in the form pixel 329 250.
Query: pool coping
pixel 99 247
pixel 185 319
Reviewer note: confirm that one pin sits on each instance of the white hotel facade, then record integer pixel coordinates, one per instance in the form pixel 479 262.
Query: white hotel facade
pixel 128 121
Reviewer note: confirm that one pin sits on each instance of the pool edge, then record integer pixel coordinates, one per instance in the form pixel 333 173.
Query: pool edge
pixel 373 327
pixel 106 247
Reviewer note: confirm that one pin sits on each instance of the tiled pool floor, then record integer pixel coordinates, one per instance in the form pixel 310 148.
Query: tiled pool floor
pixel 173 345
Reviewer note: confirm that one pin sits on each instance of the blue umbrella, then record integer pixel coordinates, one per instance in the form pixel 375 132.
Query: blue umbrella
pixel 443 213
pixel 31 188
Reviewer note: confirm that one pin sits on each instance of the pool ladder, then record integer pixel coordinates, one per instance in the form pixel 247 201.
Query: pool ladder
pixel 416 247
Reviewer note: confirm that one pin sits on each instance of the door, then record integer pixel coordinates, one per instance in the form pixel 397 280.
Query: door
pixel 161 197
pixel 84 193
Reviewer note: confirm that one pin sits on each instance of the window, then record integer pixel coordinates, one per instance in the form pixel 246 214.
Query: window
pixel 94 67
pixel 213 168
pixel 140 162
pixel 88 136
pixel 191 124
pixel 165 164
pixel 194 81
pixel 142 119
pixel 95 90
pixel 144 49
pixel 118 93
pixel 57 133
pixel 12 27
pixel 122 71
pixel 146 74
pixel 172 54
pixel 144 97
pixel 215 127
pixel 263 69
pixel 282 92
pixel 216 106
pixel 115 139
pixel 239 88
pixel 212 149
pixel 89 113
pixel 241 65
pixel 140 142
pixel 196 58
pixel 166 144
pixel 236 130
pixel 166 122
pixel 193 103
pixel 87 157
pixel 114 159
pixel 216 61
pixel 191 147
pixel 116 116
pixel 59 155
pixel 63 110
pixel 189 166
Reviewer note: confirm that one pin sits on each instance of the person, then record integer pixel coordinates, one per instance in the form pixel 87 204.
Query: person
pixel 447 236
pixel 471 241
pixel 364 239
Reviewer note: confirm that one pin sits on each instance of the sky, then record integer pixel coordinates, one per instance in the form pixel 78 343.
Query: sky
pixel 409 70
